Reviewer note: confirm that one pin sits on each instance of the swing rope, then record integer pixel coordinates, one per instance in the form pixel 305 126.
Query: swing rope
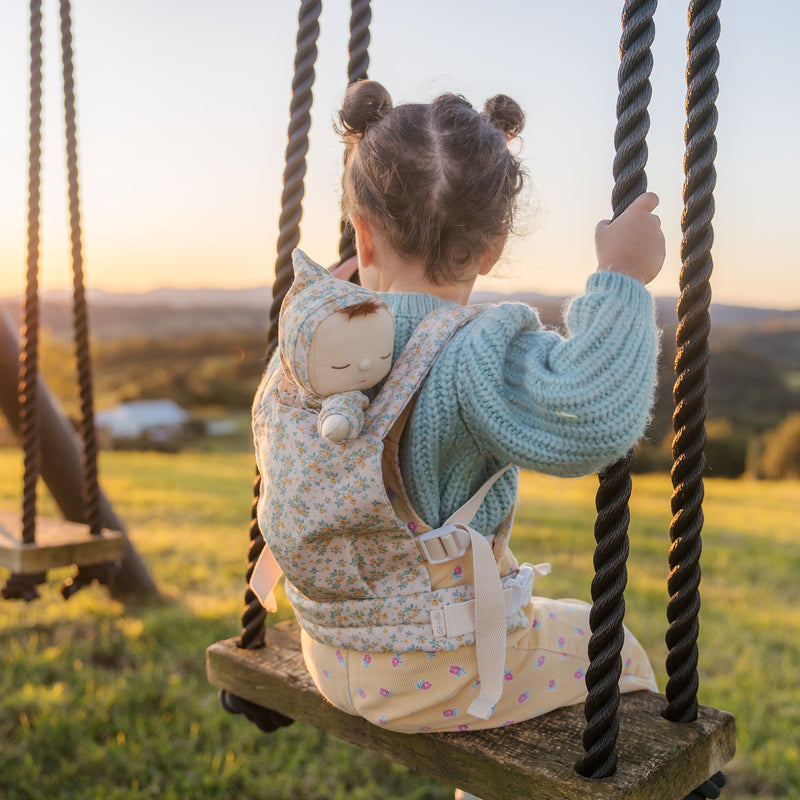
pixel 254 615
pixel 29 358
pixel 357 66
pixel 691 361
pixel 611 526
pixel 24 586
pixel 291 212
pixel 288 238
pixel 91 489
pixel 296 152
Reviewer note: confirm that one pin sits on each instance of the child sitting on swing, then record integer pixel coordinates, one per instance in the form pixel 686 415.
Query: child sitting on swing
pixel 415 614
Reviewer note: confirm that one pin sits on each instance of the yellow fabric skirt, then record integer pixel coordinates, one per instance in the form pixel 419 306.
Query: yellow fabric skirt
pixel 545 666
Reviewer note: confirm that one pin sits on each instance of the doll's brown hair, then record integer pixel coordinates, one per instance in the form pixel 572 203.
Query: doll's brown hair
pixel 437 180
pixel 363 309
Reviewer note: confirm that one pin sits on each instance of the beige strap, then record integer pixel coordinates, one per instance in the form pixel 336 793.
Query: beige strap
pixel 452 539
pixel 266 574
pixel 490 627
pixel 489 607
pixel 412 365
pixel 458 619
pixel 467 512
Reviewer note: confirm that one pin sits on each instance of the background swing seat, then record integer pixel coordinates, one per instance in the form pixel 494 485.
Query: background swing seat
pixel 534 759
pixel 59 543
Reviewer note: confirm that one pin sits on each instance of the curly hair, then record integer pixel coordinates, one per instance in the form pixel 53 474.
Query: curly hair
pixel 437 180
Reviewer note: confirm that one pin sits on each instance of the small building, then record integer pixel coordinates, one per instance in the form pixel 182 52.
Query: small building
pixel 143 424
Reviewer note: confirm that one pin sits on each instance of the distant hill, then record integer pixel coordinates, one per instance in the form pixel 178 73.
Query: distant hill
pixel 202 297
pixel 194 311
pixel 164 312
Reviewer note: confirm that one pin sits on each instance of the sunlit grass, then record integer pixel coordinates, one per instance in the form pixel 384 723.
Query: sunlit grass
pixel 99 700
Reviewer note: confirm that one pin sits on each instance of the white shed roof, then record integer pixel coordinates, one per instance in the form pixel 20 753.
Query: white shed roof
pixel 130 419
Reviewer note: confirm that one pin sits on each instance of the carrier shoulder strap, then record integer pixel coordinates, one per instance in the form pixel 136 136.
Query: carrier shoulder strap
pixel 413 364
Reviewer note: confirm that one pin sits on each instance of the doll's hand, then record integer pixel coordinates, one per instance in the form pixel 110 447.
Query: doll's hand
pixel 335 428
pixel 633 243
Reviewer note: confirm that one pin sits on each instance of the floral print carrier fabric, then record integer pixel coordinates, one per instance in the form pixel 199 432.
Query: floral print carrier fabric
pixel 345 541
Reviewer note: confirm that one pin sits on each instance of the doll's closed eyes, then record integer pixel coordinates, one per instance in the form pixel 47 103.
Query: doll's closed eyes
pixel 350 352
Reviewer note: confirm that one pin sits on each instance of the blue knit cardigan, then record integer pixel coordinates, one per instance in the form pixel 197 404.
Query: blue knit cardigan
pixel 507 390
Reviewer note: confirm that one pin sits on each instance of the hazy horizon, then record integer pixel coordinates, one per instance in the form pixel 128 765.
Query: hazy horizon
pixel 266 288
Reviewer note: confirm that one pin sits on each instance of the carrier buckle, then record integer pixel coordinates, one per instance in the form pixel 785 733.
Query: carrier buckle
pixel 520 588
pixel 445 543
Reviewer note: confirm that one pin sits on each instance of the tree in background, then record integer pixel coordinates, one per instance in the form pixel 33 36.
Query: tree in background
pixel 726 449
pixel 780 456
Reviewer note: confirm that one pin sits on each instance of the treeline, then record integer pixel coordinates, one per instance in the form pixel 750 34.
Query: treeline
pixel 752 412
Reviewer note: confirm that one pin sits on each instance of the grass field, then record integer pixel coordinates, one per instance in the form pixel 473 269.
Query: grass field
pixel 100 700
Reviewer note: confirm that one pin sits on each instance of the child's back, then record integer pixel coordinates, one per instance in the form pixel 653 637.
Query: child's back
pixel 431 192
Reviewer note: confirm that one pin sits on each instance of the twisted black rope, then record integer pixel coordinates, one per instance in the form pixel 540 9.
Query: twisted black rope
pixel 357 67
pixel 358 46
pixel 611 528
pixel 605 620
pixel 288 238
pixel 254 614
pixel 296 151
pixel 30 428
pixel 91 488
pixel 263 718
pixel 691 361
pixel 633 120
pixel 709 790
pixel 24 586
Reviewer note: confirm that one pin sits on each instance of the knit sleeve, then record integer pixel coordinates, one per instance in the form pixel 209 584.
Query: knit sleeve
pixel 561 405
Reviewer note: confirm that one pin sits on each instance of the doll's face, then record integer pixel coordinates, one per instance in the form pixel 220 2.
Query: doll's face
pixel 350 354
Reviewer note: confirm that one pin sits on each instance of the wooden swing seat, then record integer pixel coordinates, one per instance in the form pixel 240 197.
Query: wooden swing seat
pixel 59 543
pixel 534 759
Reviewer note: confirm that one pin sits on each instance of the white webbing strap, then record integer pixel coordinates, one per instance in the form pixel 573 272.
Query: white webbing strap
pixel 489 607
pixel 458 619
pixel 490 626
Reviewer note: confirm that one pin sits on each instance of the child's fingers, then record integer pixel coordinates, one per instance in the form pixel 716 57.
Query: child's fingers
pixel 647 201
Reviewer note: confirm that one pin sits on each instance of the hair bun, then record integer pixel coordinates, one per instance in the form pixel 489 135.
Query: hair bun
pixel 365 103
pixel 505 114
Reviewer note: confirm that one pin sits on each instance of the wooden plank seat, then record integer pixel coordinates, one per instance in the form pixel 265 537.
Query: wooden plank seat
pixel 59 543
pixel 535 759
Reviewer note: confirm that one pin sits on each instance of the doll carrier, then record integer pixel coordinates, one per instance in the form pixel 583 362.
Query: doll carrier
pixel 336 522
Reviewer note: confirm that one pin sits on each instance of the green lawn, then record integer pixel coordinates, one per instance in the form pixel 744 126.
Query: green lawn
pixel 100 700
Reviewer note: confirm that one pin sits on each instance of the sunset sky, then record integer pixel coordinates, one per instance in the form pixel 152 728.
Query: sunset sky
pixel 183 109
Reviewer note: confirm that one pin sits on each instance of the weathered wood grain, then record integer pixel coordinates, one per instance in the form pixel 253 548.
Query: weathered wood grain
pixel 658 760
pixel 58 544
